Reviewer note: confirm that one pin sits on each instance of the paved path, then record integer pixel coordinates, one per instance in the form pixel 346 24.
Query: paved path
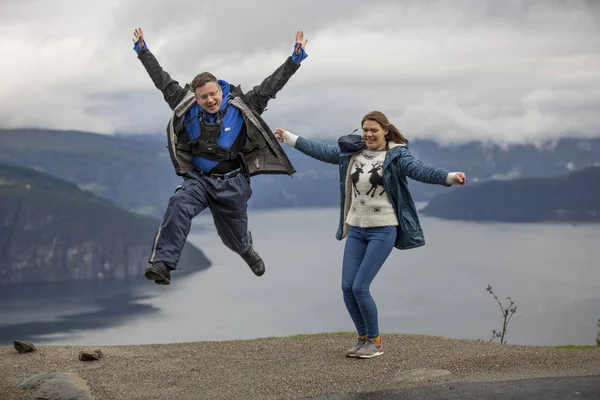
pixel 563 388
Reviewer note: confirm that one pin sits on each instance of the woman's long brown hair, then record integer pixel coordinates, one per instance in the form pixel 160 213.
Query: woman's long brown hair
pixel 393 135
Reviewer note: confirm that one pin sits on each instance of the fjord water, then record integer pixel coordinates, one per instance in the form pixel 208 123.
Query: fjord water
pixel 551 271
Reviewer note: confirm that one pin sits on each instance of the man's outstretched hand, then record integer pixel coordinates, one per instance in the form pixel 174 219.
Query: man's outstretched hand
pixel 138 34
pixel 299 54
pixel 300 44
pixel 138 40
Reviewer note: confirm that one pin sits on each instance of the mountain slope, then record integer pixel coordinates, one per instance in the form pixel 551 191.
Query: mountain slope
pixel 574 197
pixel 135 172
pixel 132 174
pixel 50 230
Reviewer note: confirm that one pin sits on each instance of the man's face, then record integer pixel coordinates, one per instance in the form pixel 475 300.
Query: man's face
pixel 209 96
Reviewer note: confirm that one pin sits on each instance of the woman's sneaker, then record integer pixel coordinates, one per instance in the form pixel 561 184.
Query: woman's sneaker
pixel 370 350
pixel 360 342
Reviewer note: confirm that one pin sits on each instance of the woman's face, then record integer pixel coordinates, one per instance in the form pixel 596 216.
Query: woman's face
pixel 374 135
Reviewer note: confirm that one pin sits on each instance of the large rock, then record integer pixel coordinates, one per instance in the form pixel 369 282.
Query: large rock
pixel 57 386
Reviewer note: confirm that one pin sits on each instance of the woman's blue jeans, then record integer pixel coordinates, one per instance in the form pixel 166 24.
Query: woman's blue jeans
pixel 365 252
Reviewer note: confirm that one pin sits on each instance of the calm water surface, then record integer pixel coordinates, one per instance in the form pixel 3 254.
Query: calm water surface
pixel 551 271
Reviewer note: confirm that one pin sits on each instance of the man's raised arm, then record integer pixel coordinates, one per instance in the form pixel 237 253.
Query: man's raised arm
pixel 172 92
pixel 260 95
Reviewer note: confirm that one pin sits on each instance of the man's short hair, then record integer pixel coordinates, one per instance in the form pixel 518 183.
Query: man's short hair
pixel 202 79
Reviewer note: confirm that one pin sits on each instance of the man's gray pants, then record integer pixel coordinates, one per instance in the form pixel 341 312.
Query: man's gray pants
pixel 227 200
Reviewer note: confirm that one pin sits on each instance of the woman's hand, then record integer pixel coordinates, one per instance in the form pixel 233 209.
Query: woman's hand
pixel 279 134
pixel 460 178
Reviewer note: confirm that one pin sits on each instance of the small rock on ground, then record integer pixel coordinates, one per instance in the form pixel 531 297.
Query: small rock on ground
pixel 24 346
pixel 89 355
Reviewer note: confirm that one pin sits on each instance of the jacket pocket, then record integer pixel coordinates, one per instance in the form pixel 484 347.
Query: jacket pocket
pixel 409 221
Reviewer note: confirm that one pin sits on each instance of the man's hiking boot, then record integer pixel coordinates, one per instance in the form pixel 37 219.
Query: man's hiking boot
pixel 360 342
pixel 159 273
pixel 370 350
pixel 254 261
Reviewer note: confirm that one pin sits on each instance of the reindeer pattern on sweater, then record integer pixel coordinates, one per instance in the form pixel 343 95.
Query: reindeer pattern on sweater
pixel 370 203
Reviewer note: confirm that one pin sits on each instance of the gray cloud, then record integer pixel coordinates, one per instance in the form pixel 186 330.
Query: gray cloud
pixel 505 71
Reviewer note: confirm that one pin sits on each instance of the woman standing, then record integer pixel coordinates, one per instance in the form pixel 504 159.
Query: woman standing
pixel 377 211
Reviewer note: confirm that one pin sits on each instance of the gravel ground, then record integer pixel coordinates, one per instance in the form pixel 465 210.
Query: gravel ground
pixel 285 368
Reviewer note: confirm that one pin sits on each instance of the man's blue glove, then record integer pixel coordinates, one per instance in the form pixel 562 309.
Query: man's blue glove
pixel 137 47
pixel 300 56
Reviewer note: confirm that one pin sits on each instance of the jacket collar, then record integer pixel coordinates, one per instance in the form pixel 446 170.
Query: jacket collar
pixel 352 144
pixel 394 144
pixel 188 100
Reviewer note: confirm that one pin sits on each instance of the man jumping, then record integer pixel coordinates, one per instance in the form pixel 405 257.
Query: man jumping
pixel 217 140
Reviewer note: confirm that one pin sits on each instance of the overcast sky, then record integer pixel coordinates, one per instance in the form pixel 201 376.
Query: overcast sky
pixel 446 70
